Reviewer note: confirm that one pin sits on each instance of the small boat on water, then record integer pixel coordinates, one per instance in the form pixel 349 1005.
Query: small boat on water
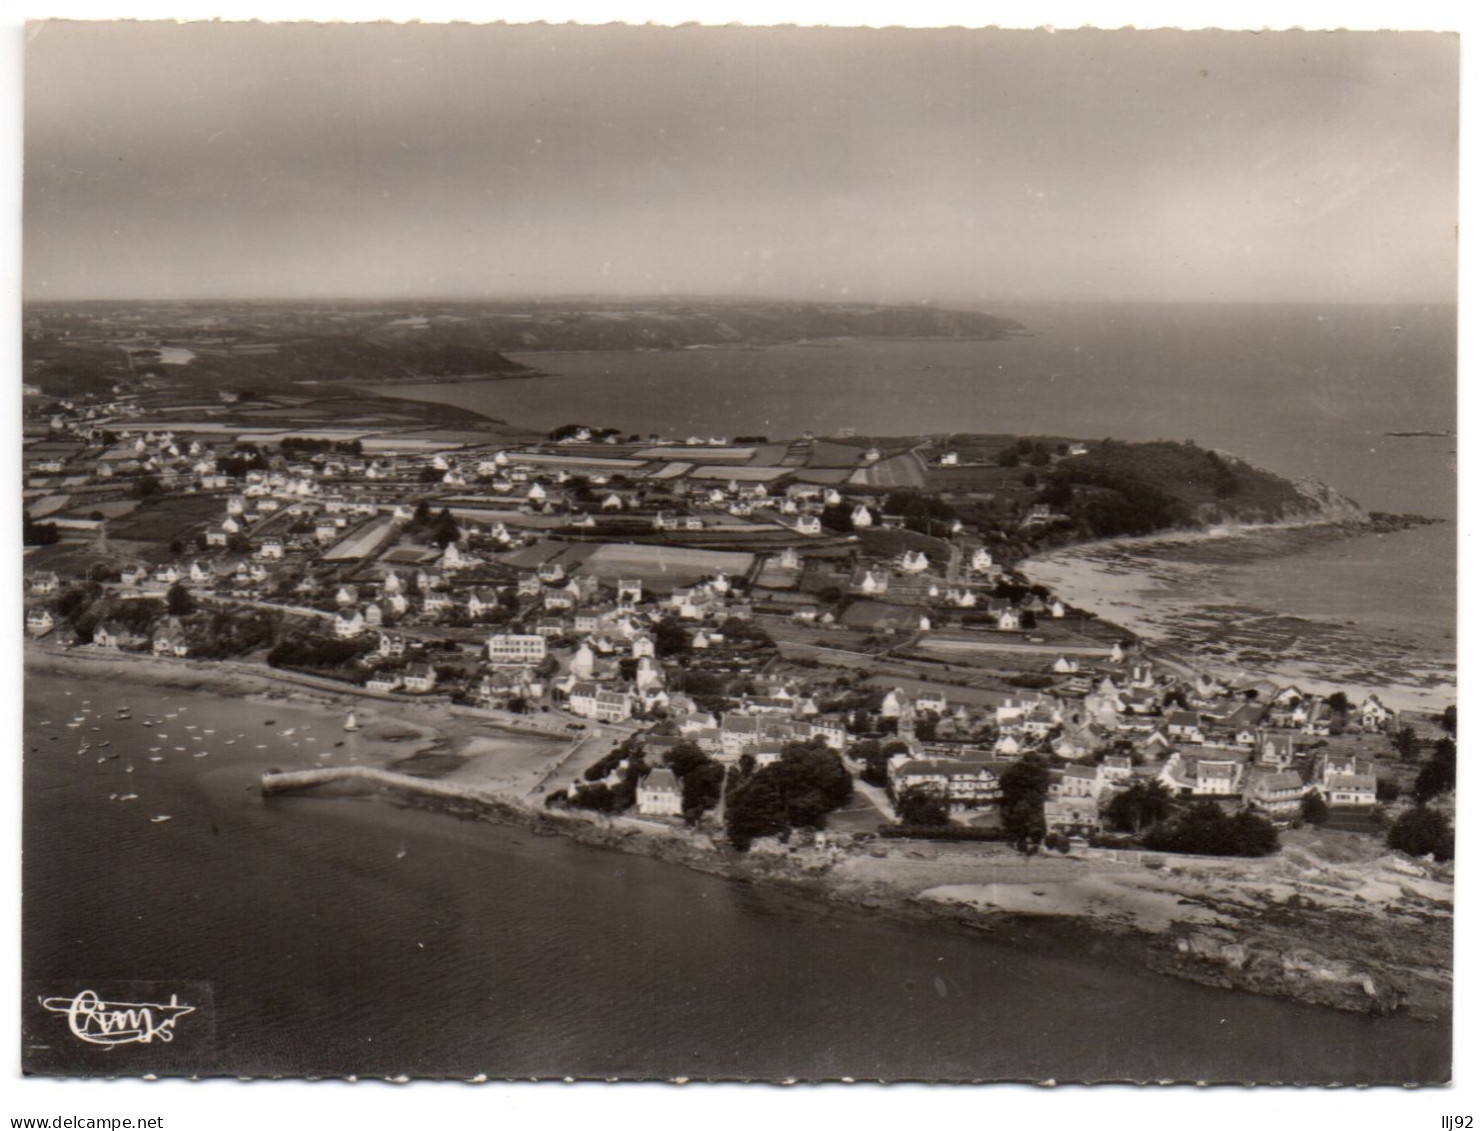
pixel 129 797
pixel 287 733
pixel 105 742
pixel 157 758
pixel 270 722
pixel 401 852
pixel 199 754
pixel 350 723
pixel 159 818
pixel 230 742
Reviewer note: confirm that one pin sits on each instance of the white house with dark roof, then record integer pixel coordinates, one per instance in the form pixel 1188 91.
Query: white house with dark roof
pixel 659 794
pixel 349 623
pixel 1375 715
pixel 169 639
pixel 1184 726
pixel 420 678
pixel 1350 789
pixel 1277 793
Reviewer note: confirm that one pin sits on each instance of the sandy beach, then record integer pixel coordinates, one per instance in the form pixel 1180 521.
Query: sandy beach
pixel 405 735
pixel 1192 597
pixel 1333 919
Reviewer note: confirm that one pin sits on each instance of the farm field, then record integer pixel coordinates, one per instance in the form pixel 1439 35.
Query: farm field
pixel 160 520
pixel 663 567
pixel 361 544
pixel 905 470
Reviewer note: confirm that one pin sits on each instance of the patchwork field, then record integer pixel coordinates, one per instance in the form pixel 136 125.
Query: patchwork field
pixel 361 544
pixel 160 520
pixel 663 567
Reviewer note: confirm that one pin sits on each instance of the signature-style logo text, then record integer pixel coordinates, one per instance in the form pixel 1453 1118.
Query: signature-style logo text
pixel 99 1022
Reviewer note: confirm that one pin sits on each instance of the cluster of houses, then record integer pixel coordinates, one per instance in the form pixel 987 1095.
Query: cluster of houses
pixel 1256 746
pixel 334 538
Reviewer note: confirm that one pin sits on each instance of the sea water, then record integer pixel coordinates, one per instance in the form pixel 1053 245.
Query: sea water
pixel 346 935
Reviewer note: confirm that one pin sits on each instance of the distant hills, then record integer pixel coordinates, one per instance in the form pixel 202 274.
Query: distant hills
pixel 263 347
pixel 688 324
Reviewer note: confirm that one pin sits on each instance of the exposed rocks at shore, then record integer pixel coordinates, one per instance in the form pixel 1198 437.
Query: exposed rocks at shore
pixel 1226 958
pixel 1301 950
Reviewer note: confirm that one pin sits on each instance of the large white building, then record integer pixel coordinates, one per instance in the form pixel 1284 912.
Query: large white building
pixel 515 648
pixel 659 794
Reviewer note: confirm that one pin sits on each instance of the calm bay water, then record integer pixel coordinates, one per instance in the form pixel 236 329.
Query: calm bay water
pixel 346 935
pixel 350 936
pixel 1303 390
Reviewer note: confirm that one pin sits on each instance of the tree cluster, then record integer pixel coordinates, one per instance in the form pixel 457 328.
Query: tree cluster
pixel 1438 773
pixel 315 652
pixel 1421 831
pixel 701 779
pixel 1205 830
pixel 38 533
pixel 921 806
pixel 798 791
pixel 1144 803
pixel 309 445
pixel 1023 788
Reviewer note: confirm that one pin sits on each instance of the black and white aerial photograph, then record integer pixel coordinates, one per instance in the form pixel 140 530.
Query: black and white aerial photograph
pixel 757 554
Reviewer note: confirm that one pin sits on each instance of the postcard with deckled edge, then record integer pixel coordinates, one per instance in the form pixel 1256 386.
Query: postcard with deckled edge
pixel 739 553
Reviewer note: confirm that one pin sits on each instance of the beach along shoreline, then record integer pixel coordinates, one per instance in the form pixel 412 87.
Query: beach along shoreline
pixel 1305 604
pixel 1268 926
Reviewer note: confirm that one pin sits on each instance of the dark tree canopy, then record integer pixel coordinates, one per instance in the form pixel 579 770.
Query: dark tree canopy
pixel 179 602
pixel 1204 830
pixel 798 791
pixel 1144 803
pixel 1438 773
pixel 922 806
pixel 1023 788
pixel 1420 831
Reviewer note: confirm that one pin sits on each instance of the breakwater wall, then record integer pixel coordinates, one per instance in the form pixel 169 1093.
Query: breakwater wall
pixel 289 781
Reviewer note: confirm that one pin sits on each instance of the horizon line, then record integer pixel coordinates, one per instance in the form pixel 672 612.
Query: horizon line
pixel 578 296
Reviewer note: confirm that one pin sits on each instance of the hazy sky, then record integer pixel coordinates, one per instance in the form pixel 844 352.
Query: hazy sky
pixel 204 161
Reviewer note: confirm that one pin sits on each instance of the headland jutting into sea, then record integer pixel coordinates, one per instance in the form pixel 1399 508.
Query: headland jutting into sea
pixel 837 663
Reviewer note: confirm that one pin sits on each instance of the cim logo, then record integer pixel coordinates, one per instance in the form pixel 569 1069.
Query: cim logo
pixel 95 1021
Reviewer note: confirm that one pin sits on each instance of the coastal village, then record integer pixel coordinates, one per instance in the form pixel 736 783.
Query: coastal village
pixel 704 609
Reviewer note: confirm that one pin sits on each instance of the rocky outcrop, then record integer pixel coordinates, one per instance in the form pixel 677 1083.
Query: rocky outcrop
pixel 1326 504
pixel 1221 957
